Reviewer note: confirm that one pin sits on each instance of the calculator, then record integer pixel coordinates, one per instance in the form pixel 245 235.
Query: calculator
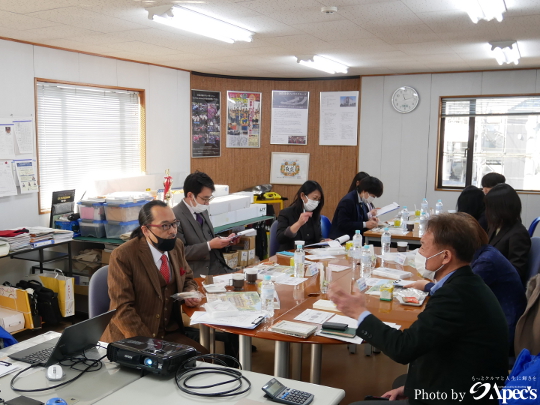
pixel 279 393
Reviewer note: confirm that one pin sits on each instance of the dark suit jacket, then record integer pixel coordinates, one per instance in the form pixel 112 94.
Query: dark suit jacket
pixel 514 243
pixel 349 216
pixel 461 334
pixel 135 291
pixel 195 238
pixel 310 232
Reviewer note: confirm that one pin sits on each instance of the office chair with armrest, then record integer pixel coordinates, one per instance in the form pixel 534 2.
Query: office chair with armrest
pixel 326 226
pixel 533 226
pixel 98 293
pixel 533 265
pixel 274 244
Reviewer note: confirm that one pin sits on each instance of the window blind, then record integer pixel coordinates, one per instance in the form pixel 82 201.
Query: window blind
pixel 84 134
pixel 486 106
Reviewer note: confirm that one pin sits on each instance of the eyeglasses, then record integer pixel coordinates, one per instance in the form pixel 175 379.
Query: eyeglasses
pixel 206 199
pixel 166 227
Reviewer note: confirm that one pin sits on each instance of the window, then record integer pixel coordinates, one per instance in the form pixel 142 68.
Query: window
pixel 489 134
pixel 84 134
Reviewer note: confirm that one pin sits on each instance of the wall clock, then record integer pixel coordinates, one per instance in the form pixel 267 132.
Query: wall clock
pixel 405 99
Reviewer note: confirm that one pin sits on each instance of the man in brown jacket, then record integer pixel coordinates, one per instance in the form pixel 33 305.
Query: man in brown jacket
pixel 143 274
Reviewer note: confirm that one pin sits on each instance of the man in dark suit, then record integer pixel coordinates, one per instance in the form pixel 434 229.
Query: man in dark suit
pixel 195 229
pixel 355 211
pixel 143 274
pixel 460 338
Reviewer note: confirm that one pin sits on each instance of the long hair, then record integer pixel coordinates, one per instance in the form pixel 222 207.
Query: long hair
pixel 471 201
pixel 358 178
pixel 309 187
pixel 146 217
pixel 503 207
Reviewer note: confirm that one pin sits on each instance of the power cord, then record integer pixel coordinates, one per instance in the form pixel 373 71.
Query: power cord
pixel 189 370
pixel 75 361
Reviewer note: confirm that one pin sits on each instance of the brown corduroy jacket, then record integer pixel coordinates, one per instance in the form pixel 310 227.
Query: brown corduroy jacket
pixel 135 290
pixel 528 326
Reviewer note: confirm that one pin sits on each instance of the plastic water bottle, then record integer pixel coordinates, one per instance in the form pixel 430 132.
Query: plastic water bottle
pixel 299 259
pixel 386 239
pixel 404 219
pixel 424 217
pixel 356 254
pixel 366 262
pixel 424 206
pixel 267 296
pixel 438 207
pixel 357 240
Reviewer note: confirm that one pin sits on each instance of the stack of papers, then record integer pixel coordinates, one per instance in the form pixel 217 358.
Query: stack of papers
pixel 296 329
pixel 18 242
pixel 62 235
pixel 245 319
pixel 325 305
pixel 310 315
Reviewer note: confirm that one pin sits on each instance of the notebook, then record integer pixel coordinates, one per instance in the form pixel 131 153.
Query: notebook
pixel 74 340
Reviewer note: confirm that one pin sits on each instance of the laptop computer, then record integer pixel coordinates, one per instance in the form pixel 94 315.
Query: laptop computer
pixel 74 340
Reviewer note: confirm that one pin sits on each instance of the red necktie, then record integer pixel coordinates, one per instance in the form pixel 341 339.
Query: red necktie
pixel 164 269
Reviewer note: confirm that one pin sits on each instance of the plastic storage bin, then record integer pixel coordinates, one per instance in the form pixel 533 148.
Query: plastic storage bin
pixel 93 210
pixel 123 212
pixel 114 229
pixel 67 225
pixel 92 228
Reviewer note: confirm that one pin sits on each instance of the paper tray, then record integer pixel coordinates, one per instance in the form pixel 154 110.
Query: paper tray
pixel 412 304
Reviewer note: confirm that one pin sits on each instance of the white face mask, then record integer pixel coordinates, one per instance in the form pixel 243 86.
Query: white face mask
pixel 370 199
pixel 420 263
pixel 198 208
pixel 311 205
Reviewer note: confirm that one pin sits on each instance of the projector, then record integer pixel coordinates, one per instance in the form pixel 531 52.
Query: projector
pixel 153 355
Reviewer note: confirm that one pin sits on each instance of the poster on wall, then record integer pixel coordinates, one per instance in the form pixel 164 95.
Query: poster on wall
pixel 289 117
pixel 7 144
pixel 289 168
pixel 205 124
pixel 338 124
pixel 243 119
pixel 27 175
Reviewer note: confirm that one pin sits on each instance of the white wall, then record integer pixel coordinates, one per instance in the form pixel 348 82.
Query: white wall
pixel 401 149
pixel 167 109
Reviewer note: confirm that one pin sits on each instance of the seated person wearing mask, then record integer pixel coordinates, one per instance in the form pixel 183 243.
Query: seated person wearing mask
pixel 356 180
pixel 302 219
pixel 498 274
pixel 354 210
pixel 490 180
pixel 460 335
pixel 203 248
pixel 143 274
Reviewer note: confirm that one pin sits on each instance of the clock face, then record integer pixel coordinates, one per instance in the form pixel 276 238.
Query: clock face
pixel 405 99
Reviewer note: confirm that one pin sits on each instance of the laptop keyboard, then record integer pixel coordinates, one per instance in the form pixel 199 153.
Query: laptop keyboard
pixel 38 357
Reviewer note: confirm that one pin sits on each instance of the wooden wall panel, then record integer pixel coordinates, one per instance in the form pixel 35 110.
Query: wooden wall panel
pixel 332 166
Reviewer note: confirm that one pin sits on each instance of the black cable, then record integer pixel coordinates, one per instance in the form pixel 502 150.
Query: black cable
pixel 12 383
pixel 188 370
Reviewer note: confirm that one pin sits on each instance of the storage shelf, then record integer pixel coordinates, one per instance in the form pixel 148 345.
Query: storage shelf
pixel 34 256
pixel 226 227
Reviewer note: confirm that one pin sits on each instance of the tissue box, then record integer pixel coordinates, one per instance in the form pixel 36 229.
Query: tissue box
pixel 11 321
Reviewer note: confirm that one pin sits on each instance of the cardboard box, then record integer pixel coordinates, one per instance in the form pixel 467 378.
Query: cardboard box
pixel 218 205
pixel 248 193
pixel 251 257
pixel 106 256
pixel 231 259
pixel 237 202
pixel 243 256
pixel 247 213
pixel 220 190
pixel 247 242
pixel 261 209
pixel 11 321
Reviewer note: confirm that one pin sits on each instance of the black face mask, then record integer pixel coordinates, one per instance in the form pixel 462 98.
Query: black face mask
pixel 163 245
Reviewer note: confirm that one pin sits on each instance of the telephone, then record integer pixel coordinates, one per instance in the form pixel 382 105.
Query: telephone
pixel 271 195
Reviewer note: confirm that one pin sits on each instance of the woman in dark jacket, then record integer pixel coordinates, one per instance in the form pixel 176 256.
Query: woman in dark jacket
pixel 471 201
pixel 302 219
pixel 505 230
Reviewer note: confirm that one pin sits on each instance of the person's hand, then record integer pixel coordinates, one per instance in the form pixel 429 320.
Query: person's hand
pixel 372 223
pixel 419 284
pixel 373 212
pixel 192 302
pixel 396 394
pixel 350 304
pixel 219 243
pixel 304 218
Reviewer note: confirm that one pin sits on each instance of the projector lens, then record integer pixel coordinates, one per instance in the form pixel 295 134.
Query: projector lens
pixel 148 362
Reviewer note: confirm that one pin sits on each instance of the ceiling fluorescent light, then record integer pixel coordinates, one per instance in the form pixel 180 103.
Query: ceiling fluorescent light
pixel 484 9
pixel 198 23
pixel 322 63
pixel 506 52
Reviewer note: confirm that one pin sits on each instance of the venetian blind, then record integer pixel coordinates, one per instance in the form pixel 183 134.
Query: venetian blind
pixel 485 106
pixel 84 134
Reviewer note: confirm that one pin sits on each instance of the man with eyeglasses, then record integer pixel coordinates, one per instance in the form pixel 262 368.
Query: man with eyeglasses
pixel 143 275
pixel 203 248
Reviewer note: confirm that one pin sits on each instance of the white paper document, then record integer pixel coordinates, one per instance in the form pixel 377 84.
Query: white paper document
pixel 7 145
pixel 24 134
pixel 319 257
pixel 337 267
pixel 246 319
pixel 311 315
pixel 7 181
pixel 286 280
pixel 27 175
pixel 388 208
